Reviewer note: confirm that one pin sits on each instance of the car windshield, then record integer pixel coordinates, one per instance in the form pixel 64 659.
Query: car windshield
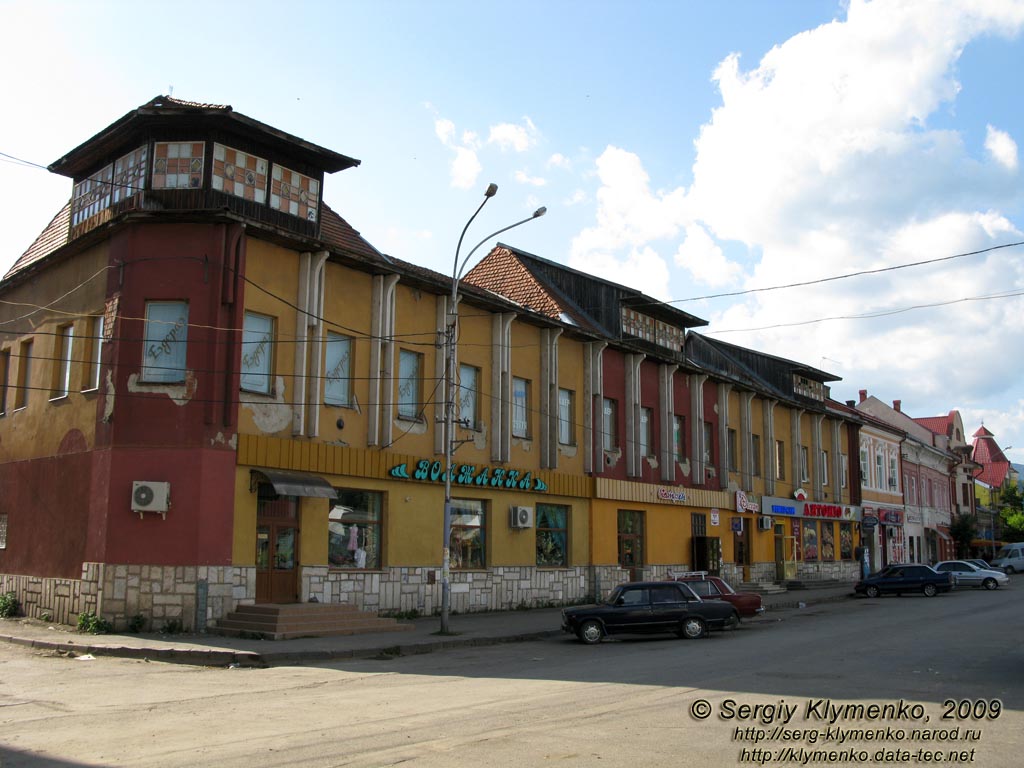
pixel 1005 552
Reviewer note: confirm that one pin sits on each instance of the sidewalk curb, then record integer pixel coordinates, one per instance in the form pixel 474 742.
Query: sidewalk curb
pixel 210 657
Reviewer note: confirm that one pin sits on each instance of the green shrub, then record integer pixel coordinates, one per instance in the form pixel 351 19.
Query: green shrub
pixel 171 627
pixel 93 624
pixel 9 605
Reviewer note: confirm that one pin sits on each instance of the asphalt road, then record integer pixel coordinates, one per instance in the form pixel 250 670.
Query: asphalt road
pixel 945 676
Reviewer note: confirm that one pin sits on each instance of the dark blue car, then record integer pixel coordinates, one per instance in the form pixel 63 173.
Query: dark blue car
pixel 910 577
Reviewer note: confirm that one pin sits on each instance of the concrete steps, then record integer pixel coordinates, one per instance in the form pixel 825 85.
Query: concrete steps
pixel 761 588
pixel 281 621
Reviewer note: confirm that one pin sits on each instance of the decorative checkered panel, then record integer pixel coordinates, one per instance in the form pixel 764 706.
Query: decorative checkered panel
pixel 294 193
pixel 240 174
pixel 178 164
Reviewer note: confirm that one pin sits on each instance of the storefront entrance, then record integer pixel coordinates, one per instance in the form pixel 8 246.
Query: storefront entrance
pixel 631 543
pixel 277 543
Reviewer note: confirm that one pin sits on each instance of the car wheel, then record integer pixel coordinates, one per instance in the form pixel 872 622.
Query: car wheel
pixel 734 620
pixel 929 590
pixel 989 583
pixel 590 632
pixel 871 591
pixel 1010 569
pixel 692 628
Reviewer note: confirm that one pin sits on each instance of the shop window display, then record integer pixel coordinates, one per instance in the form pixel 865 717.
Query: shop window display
pixel 468 534
pixel 552 535
pixel 353 530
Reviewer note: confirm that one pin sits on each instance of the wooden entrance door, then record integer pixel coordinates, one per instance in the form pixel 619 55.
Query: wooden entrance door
pixel 277 551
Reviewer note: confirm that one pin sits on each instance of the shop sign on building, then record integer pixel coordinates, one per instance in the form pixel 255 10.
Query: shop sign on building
pixel 467 474
pixel 743 504
pixel 675 495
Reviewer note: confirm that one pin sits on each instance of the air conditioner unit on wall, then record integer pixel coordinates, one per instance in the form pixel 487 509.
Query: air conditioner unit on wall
pixel 151 496
pixel 765 523
pixel 520 517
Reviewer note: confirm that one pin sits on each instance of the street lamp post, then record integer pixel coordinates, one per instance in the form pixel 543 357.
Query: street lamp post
pixel 450 339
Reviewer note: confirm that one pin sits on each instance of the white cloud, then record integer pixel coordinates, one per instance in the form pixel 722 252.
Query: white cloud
pixel 534 181
pixel 1002 148
pixel 577 197
pixel 641 269
pixel 704 260
pixel 628 213
pixel 445 130
pixel 465 168
pixel 558 160
pixel 518 138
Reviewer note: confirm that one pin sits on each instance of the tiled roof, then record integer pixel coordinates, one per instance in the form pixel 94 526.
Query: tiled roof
pixel 500 271
pixel 54 236
pixel 335 231
pixel 987 453
pixel 940 425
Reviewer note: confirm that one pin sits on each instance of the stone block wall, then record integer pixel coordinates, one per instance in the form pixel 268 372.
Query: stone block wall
pixel 56 600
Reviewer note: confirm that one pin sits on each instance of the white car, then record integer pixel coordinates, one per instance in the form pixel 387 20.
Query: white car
pixel 967 574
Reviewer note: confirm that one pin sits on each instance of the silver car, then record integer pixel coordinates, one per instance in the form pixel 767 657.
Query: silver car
pixel 967 574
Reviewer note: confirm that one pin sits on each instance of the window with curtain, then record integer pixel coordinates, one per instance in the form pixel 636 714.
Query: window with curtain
pixel 165 344
pixel 679 437
pixel 257 353
pixel 552 535
pixel 566 422
pixel 645 431
pixel 338 370
pixel 469 389
pixel 520 407
pixel 410 365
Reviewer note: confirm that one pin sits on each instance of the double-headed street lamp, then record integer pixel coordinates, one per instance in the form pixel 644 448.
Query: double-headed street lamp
pixel 451 332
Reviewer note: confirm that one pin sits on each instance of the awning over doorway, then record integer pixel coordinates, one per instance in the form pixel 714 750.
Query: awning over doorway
pixel 941 534
pixel 293 483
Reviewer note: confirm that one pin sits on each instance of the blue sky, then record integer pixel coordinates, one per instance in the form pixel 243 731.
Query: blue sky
pixel 684 148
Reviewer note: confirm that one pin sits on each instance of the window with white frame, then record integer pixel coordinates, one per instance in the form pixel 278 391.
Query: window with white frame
pixel 645 431
pixel 3 531
pixel 805 472
pixel 166 342
pixel 893 472
pixel 410 367
pixel 62 371
pixel 879 469
pixel 844 461
pixel 679 437
pixel 95 343
pixel 5 372
pixel 338 369
pixel 912 490
pixel 257 353
pixel 520 407
pixel 566 421
pixel 609 424
pixel 823 458
pixel 708 445
pixel 469 388
pixel 21 396
pixel 865 470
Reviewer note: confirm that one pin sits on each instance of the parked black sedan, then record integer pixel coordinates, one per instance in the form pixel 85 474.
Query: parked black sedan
pixel 910 577
pixel 646 607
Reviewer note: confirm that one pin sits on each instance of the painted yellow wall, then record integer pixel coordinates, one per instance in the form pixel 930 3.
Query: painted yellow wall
pixel 526 352
pixel 38 428
pixel 313 531
pixel 243 549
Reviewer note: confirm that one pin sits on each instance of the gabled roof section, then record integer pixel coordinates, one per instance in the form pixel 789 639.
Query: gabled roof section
pixel 54 236
pixel 569 295
pixel 940 425
pixel 760 371
pixel 995 468
pixel 136 125
pixel 337 232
